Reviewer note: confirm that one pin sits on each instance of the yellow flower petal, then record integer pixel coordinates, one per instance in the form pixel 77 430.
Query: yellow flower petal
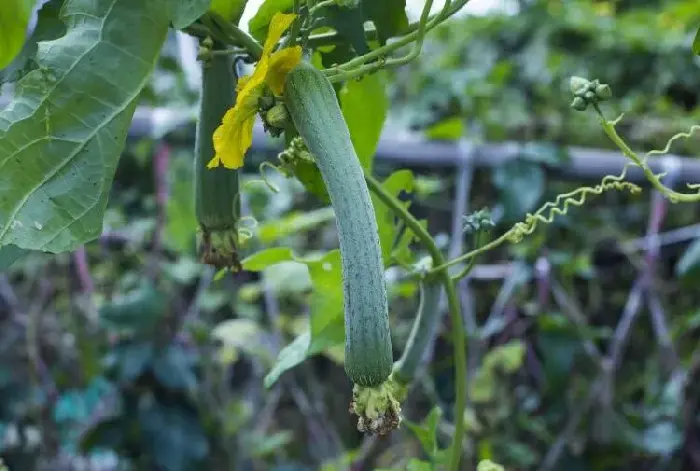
pixel 281 62
pixel 278 25
pixel 235 134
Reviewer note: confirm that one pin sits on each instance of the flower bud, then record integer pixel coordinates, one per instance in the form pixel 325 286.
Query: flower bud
pixel 576 84
pixel 579 104
pixel 603 92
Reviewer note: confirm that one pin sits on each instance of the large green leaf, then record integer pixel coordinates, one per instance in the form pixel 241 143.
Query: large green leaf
pixel 260 22
pixel 14 19
pixel 696 43
pixel 349 24
pixel 62 135
pixel 9 254
pixel 326 306
pixel 426 433
pixel 48 27
pixel 232 10
pixel 388 16
pixel 185 12
pixel 364 103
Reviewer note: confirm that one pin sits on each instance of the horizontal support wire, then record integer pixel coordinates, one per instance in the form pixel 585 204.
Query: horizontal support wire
pixel 399 147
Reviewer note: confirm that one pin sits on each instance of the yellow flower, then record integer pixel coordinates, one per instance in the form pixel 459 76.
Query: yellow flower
pixel 235 134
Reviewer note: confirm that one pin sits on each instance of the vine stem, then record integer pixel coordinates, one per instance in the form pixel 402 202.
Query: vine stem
pixel 235 35
pixel 673 196
pixel 458 335
pixel 358 66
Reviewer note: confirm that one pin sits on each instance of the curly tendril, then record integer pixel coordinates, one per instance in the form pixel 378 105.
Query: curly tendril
pixel 560 206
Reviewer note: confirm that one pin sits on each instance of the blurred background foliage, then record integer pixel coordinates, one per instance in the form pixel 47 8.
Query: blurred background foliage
pixel 583 346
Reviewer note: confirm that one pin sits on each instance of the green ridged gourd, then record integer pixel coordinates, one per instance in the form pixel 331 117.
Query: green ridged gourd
pixel 313 107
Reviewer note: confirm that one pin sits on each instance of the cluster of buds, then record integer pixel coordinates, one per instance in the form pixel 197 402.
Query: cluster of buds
pixel 477 221
pixel 588 92
pixel 294 153
pixel 274 114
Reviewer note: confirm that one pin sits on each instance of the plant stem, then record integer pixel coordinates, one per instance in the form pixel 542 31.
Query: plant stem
pixel 358 66
pixel 320 5
pixel 674 196
pixel 236 36
pixel 458 335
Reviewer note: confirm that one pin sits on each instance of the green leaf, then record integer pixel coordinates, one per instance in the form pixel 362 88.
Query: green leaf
pixel 307 172
pixel 107 433
pixel 131 360
pixel 232 10
pixel 482 386
pixel 419 465
pixel 263 444
pixel 48 27
pixel 264 258
pixel 290 356
pixel 696 43
pixel 138 310
pixel 294 223
pixel 508 357
pixel 260 22
pixel 9 254
pixel 690 260
pixel 450 129
pixel 62 135
pixel 172 436
pixel 241 334
pixel 327 327
pixel 14 20
pixel 174 368
pixel 398 182
pixel 349 24
pixel 426 433
pixel 185 12
pixel 364 103
pixel 388 16
pixel 521 185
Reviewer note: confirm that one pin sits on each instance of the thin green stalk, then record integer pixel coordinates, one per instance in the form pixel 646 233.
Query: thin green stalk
pixel 471 263
pixel 320 5
pixel 458 335
pixel 674 196
pixel 235 35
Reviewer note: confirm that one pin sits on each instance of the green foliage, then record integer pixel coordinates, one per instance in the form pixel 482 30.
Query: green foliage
pixel 9 254
pixel 232 10
pixel 397 183
pixel 184 13
pixel 690 261
pixel 60 139
pixel 364 103
pixel 326 327
pixel 521 185
pixel 14 20
pixel 389 17
pixel 260 22
pixel 48 27
pixel 139 351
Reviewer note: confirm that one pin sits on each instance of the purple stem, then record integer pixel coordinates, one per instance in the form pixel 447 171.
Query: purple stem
pixel 81 265
pixel 161 162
